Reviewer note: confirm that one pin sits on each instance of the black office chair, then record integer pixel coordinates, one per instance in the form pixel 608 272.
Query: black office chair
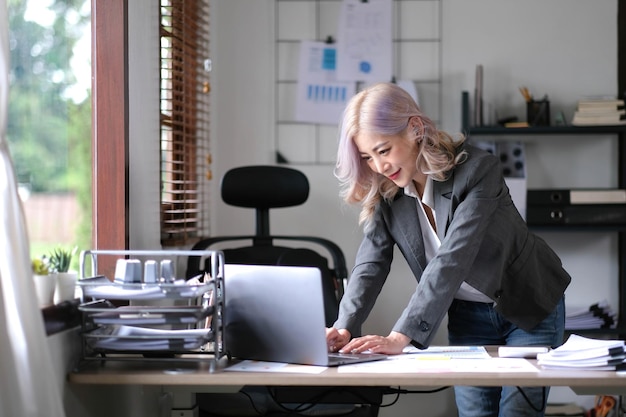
pixel 263 188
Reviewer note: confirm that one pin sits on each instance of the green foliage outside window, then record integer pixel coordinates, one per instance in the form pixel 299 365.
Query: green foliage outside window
pixel 49 124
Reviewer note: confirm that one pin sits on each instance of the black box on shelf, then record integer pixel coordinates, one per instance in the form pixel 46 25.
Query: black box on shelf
pixel 577 214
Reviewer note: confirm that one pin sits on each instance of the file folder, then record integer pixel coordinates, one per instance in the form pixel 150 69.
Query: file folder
pixel 576 196
pixel 577 214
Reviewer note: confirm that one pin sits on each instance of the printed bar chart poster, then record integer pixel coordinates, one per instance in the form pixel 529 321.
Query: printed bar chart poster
pixel 321 98
pixel 364 41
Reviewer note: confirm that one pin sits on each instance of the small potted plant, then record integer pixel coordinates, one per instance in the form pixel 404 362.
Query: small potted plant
pixel 45 281
pixel 60 262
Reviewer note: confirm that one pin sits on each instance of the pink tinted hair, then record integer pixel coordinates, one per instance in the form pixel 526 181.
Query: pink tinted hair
pixel 385 109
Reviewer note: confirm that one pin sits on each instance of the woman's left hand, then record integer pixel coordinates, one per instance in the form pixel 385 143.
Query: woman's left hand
pixel 389 345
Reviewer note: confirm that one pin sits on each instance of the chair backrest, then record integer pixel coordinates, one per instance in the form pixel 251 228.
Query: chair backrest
pixel 263 187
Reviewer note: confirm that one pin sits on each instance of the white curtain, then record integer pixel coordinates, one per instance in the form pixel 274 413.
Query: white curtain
pixel 28 385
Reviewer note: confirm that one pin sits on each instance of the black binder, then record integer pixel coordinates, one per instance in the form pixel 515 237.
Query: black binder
pixel 577 214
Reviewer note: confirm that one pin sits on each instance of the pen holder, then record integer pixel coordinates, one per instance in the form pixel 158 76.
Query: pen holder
pixel 538 112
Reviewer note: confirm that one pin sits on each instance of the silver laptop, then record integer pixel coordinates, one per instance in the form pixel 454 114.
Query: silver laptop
pixel 276 313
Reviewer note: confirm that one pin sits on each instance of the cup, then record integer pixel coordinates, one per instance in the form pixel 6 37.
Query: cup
pixel 128 271
pixel 150 272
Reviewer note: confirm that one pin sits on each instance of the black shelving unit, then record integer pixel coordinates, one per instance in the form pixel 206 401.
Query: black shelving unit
pixel 620 132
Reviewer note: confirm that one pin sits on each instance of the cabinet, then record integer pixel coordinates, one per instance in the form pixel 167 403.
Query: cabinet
pixel 619 131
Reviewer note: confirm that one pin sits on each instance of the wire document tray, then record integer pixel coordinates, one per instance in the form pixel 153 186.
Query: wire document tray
pixel 140 315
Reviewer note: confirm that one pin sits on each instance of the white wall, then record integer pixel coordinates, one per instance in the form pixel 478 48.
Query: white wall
pixel 144 128
pixel 563 48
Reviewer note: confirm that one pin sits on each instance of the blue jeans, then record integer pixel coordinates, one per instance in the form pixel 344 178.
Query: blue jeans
pixel 478 324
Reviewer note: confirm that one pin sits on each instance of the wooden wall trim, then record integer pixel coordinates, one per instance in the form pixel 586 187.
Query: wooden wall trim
pixel 110 125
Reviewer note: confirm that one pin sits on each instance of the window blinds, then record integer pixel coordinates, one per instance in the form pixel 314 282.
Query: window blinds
pixel 185 152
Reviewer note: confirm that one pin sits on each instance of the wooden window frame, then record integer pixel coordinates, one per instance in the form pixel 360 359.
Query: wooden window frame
pixel 109 19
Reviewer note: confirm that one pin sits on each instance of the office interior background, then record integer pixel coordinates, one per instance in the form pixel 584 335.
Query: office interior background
pixel 565 49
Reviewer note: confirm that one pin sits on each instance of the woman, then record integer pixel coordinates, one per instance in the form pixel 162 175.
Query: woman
pixel 446 205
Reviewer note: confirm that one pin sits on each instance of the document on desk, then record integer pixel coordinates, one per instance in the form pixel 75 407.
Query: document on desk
pixel 449 352
pixel 274 367
pixel 442 359
pixel 405 364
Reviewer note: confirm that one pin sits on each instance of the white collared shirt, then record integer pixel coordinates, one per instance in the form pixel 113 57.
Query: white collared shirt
pixel 431 240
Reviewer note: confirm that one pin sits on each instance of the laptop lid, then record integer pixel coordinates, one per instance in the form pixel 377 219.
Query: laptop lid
pixel 276 313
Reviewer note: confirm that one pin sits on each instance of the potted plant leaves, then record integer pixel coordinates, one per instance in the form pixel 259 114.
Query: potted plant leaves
pixel 45 281
pixel 60 263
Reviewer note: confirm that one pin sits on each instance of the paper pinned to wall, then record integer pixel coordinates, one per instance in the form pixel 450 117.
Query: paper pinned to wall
pixel 364 44
pixel 320 97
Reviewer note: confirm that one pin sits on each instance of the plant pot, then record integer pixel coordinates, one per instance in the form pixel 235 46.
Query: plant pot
pixel 65 286
pixel 45 286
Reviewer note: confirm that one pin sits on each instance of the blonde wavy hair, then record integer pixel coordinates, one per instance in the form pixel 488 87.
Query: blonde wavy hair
pixel 385 109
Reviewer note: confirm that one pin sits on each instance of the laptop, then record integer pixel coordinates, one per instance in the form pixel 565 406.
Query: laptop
pixel 276 314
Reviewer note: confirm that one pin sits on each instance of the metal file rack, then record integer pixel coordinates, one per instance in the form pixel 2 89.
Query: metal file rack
pixel 173 320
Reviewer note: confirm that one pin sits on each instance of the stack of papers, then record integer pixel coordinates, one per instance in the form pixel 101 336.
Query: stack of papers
pixel 597 316
pixel 599 111
pixel 101 288
pixel 141 339
pixel 581 353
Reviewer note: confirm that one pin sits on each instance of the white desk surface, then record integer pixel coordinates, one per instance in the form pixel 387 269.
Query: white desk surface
pixel 200 374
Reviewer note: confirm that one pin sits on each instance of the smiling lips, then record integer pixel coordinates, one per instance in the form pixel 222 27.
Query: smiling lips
pixel 394 176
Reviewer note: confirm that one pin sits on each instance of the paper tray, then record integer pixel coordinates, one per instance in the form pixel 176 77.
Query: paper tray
pixel 105 313
pixel 139 339
pixel 101 288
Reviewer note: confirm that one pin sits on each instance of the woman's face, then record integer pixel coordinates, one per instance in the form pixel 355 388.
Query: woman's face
pixel 391 156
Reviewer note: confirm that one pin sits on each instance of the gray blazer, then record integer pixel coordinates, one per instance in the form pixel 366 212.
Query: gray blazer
pixel 484 241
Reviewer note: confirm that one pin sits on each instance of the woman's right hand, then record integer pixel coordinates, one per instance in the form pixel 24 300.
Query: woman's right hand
pixel 336 339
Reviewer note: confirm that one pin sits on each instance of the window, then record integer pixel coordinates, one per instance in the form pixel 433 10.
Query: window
pixel 49 123
pixel 185 155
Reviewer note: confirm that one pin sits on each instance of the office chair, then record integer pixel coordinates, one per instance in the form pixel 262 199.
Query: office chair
pixel 262 188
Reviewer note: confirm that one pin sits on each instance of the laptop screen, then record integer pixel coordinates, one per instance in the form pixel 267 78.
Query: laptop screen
pixel 274 313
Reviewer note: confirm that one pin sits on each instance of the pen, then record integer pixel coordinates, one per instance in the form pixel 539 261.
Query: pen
pixel 526 94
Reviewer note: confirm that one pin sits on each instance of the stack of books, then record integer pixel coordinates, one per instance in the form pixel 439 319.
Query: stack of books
pixel 599 111
pixel 597 316
pixel 580 353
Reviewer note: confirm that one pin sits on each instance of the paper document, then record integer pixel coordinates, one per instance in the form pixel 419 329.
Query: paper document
pixel 320 97
pixel 365 45
pixel 147 339
pixel 409 363
pixel 582 347
pixel 102 288
pixel 449 352
pixel 581 353
pixel 274 367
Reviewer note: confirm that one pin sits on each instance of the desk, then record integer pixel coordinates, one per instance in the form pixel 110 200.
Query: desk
pixel 177 383
pixel 199 377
